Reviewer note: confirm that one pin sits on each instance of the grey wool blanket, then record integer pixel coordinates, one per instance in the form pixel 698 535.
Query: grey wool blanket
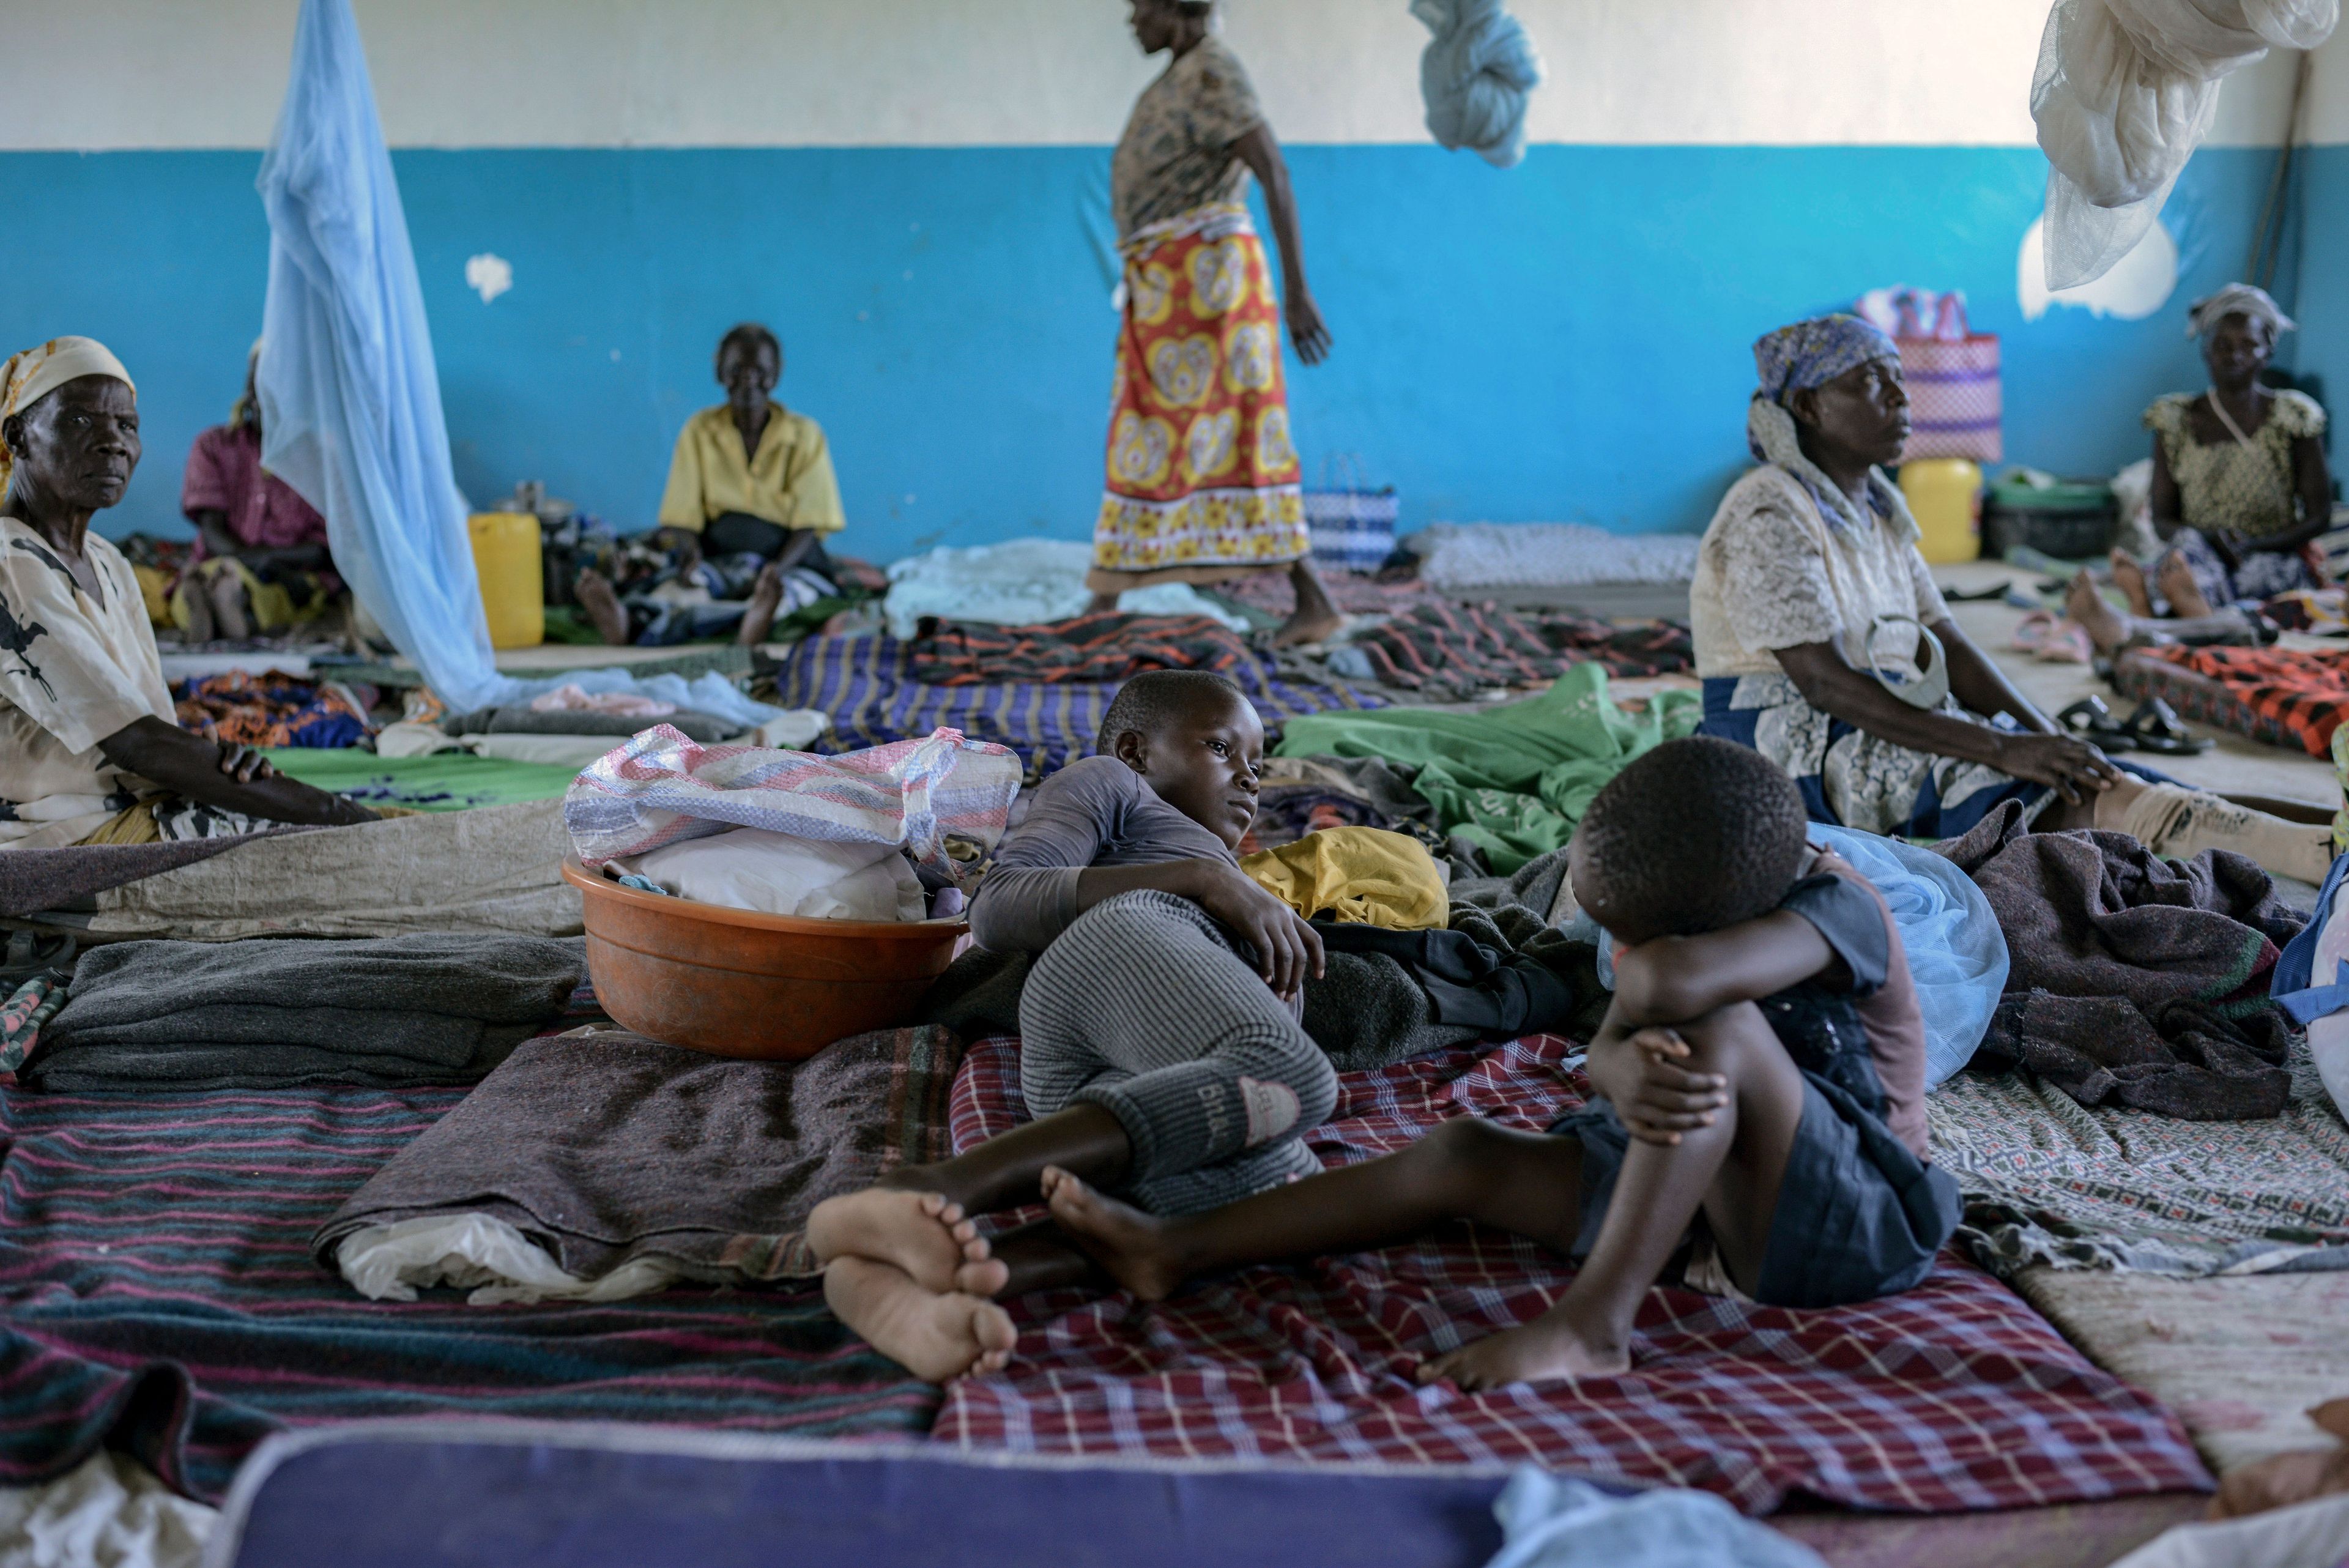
pixel 2136 981
pixel 272 1013
pixel 603 1146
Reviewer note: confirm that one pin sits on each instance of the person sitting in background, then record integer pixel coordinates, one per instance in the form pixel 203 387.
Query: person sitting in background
pixel 261 563
pixel 90 752
pixel 2240 488
pixel 750 495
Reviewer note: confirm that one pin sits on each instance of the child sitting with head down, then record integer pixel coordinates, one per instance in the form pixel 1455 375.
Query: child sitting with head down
pixel 1760 1083
pixel 1161 1049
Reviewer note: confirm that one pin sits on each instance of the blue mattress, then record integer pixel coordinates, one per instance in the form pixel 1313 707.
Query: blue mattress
pixel 432 1493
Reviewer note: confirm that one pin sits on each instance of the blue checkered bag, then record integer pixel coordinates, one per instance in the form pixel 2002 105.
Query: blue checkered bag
pixel 1353 526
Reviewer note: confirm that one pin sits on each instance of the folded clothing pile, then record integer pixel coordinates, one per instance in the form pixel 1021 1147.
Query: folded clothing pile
pixel 271 710
pixel 2135 981
pixel 384 1013
pixel 1467 557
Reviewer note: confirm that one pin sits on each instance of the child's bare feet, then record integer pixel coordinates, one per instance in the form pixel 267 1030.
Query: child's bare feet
pixel 935 1336
pixel 1121 1238
pixel 2107 627
pixel 594 592
pixel 2176 580
pixel 766 599
pixel 920 1234
pixel 1552 1345
pixel 2130 577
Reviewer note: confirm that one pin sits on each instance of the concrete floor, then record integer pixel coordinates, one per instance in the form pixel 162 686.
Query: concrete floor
pixel 2235 766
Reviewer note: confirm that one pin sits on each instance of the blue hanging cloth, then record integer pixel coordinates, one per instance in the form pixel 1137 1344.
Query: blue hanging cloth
pixel 350 401
pixel 1475 75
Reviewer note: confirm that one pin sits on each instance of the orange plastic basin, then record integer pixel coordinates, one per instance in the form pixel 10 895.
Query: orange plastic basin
pixel 736 982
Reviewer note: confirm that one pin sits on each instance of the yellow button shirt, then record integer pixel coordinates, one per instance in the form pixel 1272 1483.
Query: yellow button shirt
pixel 789 482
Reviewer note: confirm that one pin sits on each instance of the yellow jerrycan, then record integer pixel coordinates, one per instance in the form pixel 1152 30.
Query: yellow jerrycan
pixel 514 590
pixel 1945 495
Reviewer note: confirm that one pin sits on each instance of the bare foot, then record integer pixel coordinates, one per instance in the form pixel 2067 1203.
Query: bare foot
pixel 920 1234
pixel 1102 604
pixel 766 599
pixel 2176 580
pixel 936 1337
pixel 1552 1345
pixel 594 592
pixel 228 605
pixel 200 612
pixel 1122 1239
pixel 1303 627
pixel 2130 577
pixel 2107 627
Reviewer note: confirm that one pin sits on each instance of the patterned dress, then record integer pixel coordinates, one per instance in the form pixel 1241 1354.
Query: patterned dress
pixel 2246 488
pixel 1203 481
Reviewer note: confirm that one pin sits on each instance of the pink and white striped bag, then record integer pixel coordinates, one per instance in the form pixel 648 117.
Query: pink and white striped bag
pixel 660 788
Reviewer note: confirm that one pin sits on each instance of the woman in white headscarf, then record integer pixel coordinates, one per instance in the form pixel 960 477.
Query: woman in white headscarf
pixel 90 748
pixel 2240 482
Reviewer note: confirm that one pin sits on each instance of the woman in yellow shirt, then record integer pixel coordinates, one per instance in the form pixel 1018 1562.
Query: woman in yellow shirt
pixel 749 478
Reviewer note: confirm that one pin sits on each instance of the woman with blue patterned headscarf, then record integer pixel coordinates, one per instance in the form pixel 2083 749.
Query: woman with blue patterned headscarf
pixel 1823 642
pixel 1811 605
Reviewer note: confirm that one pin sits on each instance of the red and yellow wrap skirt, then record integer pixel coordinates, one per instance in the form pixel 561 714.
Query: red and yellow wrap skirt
pixel 1202 476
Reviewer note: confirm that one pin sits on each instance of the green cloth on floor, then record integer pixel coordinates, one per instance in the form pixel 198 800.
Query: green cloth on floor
pixel 444 781
pixel 1513 779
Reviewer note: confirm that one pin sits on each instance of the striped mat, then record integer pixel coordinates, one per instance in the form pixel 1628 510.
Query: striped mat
pixel 864 683
pixel 157 1291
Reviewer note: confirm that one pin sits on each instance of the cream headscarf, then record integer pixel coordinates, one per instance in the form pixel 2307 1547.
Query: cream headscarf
pixel 2202 317
pixel 33 375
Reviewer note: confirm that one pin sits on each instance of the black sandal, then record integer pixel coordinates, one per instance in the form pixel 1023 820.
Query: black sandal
pixel 2091 721
pixel 2155 726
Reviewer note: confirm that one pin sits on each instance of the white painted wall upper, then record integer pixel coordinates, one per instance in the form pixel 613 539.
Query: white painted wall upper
pixel 105 73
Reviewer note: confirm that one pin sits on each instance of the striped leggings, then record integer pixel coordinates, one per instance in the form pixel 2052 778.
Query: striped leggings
pixel 1146 1007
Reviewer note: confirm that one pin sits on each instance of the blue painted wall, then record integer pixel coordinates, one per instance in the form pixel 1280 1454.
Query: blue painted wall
pixel 1567 340
pixel 2320 303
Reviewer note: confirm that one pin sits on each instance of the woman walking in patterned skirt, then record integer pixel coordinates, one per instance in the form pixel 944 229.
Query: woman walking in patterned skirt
pixel 1204 480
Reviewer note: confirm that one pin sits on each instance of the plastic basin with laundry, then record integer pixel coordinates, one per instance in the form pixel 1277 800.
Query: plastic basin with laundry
pixel 738 982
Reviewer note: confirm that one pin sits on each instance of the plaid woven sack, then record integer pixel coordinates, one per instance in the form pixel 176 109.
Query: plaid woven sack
pixel 662 788
pixel 1956 402
pixel 1353 526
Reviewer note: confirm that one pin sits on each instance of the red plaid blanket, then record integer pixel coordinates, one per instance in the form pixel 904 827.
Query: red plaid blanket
pixel 1953 1396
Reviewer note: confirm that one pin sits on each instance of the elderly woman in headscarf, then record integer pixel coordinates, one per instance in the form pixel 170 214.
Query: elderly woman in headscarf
pixel 1823 641
pixel 2240 482
pixel 90 751
pixel 260 560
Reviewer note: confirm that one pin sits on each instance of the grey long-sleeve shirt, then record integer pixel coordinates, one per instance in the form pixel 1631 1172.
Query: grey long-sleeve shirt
pixel 1096 812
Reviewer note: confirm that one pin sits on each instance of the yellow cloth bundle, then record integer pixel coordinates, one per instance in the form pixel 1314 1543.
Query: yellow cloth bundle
pixel 1365 875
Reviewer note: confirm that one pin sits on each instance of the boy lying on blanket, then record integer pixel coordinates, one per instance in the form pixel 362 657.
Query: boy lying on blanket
pixel 1161 1047
pixel 1761 1072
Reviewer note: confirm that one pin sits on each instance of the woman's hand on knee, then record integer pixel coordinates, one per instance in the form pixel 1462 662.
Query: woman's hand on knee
pixel 2070 766
pixel 1288 949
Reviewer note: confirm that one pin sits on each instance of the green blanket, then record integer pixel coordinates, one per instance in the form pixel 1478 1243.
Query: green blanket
pixel 444 781
pixel 1514 779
